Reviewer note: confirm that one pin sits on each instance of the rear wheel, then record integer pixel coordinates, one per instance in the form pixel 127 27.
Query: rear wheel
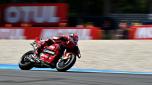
pixel 65 64
pixel 25 63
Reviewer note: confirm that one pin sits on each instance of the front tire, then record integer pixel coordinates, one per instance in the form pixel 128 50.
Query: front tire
pixel 64 65
pixel 24 63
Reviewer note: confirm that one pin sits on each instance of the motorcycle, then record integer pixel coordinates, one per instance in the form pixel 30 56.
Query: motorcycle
pixel 53 56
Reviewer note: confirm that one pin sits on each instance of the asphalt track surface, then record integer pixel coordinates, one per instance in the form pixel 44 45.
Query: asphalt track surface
pixel 18 77
pixel 12 75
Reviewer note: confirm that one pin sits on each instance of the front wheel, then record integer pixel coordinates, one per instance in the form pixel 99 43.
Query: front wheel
pixel 25 63
pixel 65 64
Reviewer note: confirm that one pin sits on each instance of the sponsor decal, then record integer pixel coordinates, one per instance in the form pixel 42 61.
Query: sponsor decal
pixel 49 51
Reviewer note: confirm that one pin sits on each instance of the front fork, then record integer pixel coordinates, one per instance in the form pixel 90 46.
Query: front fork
pixel 66 54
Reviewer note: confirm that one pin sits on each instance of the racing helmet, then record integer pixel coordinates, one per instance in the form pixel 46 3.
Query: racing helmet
pixel 74 36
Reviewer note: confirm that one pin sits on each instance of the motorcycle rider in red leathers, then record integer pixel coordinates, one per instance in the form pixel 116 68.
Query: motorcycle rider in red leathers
pixel 66 42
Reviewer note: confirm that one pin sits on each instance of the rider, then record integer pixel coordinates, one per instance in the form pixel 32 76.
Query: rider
pixel 66 42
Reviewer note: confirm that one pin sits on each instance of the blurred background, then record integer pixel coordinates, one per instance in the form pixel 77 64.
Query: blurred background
pixel 91 19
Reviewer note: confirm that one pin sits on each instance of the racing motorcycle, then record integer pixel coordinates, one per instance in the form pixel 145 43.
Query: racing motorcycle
pixel 53 56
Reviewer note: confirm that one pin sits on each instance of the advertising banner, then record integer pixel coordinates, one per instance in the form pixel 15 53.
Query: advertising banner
pixel 34 14
pixel 141 32
pixel 16 33
pixel 49 32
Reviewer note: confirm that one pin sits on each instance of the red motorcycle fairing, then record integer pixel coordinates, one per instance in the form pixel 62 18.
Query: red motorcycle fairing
pixel 49 53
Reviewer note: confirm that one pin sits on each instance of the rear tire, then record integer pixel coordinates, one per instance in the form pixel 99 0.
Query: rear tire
pixel 24 63
pixel 63 66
